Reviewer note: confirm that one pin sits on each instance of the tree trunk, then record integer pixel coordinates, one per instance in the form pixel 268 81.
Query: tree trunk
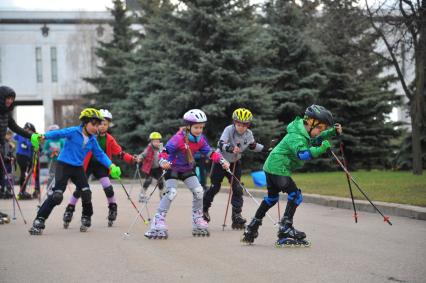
pixel 417 103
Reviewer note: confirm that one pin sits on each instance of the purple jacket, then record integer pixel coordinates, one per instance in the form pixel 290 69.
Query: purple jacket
pixel 176 152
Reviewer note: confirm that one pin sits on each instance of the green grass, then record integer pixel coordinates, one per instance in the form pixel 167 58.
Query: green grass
pixel 387 186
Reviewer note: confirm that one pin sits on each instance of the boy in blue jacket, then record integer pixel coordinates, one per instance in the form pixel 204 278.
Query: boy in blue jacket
pixel 79 140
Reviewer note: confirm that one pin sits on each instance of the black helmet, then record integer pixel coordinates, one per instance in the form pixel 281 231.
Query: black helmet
pixel 30 126
pixel 319 113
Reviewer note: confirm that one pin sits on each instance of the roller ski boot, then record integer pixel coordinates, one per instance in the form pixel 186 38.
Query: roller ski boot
pixel 38 226
pixel 112 214
pixel 24 196
pixel 251 231
pixel 68 215
pixel 206 215
pixel 4 218
pixel 85 223
pixel 199 225
pixel 238 221
pixel 288 236
pixel 158 228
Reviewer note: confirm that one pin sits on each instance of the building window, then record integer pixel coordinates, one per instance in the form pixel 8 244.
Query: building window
pixel 54 64
pixel 39 65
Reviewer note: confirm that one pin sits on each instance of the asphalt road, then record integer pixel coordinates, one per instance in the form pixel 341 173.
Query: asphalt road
pixel 342 251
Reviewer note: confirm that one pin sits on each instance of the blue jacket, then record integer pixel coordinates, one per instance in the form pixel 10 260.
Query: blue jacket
pixel 74 150
pixel 23 146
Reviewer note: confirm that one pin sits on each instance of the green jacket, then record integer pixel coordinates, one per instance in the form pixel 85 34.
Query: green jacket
pixel 283 159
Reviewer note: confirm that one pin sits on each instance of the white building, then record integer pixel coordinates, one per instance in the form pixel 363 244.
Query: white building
pixel 45 55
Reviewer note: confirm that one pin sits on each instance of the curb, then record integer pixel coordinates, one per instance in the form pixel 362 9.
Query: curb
pixel 395 209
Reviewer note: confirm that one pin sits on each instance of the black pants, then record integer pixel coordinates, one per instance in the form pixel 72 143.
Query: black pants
pixel 156 174
pixel 98 170
pixel 275 185
pixel 25 164
pixel 218 173
pixel 63 173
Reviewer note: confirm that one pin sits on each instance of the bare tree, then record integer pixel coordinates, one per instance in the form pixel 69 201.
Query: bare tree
pixel 401 24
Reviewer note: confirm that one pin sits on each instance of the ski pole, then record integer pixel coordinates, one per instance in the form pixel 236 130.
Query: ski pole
pixel 46 192
pixel 143 190
pixel 127 234
pixel 134 178
pixel 229 195
pixel 385 218
pixel 12 178
pixel 279 212
pixel 349 181
pixel 131 201
pixel 13 191
pixel 251 196
pixel 35 169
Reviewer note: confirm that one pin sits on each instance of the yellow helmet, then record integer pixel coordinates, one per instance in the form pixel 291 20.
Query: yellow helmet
pixel 242 115
pixel 155 136
pixel 91 113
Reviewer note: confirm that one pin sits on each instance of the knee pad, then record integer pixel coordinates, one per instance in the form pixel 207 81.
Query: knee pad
pixel 86 195
pixel 295 197
pixel 109 192
pixel 271 201
pixel 57 197
pixel 76 194
pixel 198 192
pixel 171 193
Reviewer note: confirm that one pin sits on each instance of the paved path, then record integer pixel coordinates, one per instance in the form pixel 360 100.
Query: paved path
pixel 342 251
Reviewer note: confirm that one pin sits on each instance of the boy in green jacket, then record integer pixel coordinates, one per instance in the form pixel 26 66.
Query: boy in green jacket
pixel 306 139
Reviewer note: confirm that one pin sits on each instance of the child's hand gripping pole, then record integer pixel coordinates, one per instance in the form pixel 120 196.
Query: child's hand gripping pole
pixel 115 171
pixel 35 140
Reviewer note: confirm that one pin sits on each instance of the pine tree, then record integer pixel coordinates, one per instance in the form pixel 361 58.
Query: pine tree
pixel 200 56
pixel 357 92
pixel 112 83
pixel 290 69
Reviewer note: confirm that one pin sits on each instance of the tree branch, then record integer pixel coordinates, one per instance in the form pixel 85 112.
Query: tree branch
pixel 391 53
pixel 408 22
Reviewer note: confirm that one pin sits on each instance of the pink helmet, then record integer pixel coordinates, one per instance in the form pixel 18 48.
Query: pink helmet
pixel 194 116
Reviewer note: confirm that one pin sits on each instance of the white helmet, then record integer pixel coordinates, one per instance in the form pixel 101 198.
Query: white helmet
pixel 106 114
pixel 194 116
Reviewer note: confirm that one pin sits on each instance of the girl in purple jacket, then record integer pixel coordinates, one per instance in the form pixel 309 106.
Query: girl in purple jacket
pixel 177 159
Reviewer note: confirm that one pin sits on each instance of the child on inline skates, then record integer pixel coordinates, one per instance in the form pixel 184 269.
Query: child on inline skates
pixel 177 158
pixel 306 139
pixel 235 139
pixel 92 166
pixel 79 141
pixel 150 166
